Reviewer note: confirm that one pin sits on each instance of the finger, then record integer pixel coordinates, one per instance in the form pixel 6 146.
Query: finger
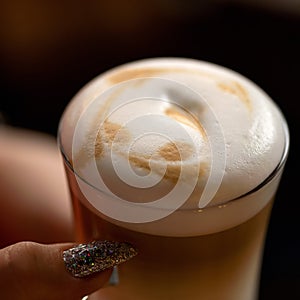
pixel 61 271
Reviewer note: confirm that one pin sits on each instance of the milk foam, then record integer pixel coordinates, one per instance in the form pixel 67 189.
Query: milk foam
pixel 162 139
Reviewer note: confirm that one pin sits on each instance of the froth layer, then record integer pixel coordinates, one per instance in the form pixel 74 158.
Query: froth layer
pixel 158 125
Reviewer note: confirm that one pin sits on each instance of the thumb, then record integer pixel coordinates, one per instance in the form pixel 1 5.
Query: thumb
pixel 60 271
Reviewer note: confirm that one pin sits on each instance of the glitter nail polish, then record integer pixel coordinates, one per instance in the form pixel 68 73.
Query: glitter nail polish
pixel 86 259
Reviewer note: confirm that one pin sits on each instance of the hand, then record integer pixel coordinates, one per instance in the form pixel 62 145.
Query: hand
pixel 35 206
pixel 34 197
pixel 34 271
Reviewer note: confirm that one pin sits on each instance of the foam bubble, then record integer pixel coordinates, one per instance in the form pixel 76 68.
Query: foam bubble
pixel 157 125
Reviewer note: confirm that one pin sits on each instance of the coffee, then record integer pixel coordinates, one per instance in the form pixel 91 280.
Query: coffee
pixel 182 158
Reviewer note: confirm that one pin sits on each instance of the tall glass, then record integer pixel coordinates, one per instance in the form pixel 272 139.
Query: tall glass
pixel 215 254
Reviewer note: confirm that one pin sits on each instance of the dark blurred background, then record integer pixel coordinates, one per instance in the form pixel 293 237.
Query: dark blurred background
pixel 50 49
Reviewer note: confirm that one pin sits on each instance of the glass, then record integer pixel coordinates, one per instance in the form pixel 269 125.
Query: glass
pixel 223 262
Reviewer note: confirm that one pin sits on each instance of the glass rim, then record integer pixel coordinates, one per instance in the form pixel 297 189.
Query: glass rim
pixel 262 184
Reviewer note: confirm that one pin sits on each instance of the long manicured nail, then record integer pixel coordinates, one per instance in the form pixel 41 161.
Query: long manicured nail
pixel 86 259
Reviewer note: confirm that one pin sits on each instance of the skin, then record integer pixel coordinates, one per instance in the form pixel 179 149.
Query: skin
pixel 36 221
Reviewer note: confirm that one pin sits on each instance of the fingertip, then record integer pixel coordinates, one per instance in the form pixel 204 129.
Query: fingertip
pixel 34 271
pixel 78 286
pixel 86 259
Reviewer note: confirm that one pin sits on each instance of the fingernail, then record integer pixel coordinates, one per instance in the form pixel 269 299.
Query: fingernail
pixel 86 259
